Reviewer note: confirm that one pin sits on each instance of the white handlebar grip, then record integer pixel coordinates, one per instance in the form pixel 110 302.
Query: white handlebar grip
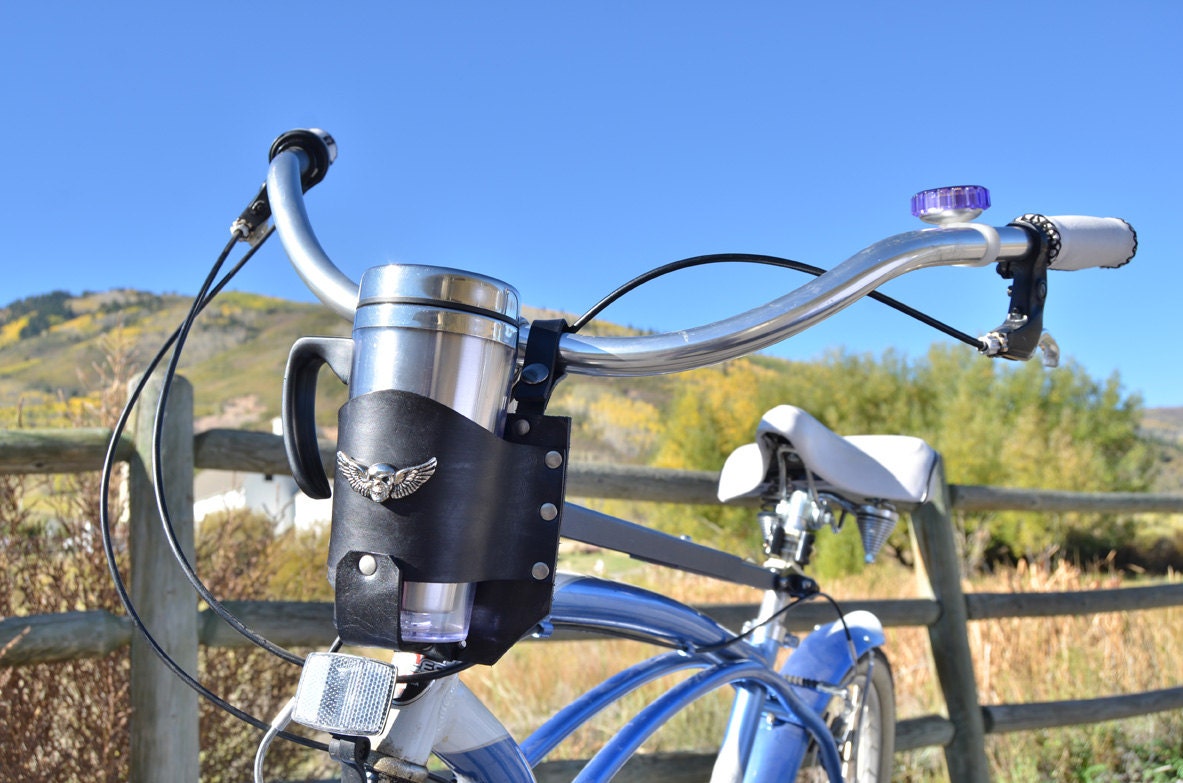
pixel 1079 242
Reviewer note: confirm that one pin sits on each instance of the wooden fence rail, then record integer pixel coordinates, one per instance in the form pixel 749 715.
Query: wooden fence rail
pixel 944 611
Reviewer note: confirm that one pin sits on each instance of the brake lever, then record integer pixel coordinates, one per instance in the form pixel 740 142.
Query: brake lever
pixel 319 150
pixel 1022 333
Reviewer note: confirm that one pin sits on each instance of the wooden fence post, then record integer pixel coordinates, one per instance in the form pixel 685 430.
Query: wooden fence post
pixel 932 532
pixel 164 733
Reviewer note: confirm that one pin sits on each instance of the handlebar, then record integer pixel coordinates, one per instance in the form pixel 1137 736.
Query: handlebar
pixel 1076 242
pixel 431 373
pixel 794 312
pixel 313 265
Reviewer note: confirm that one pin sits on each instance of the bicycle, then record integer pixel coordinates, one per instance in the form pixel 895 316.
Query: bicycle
pixel 448 502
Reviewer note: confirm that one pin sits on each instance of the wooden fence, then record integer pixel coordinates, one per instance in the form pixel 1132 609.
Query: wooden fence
pixel 164 721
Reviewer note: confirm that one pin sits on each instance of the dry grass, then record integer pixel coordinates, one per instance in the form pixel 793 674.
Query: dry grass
pixel 1017 661
pixel 1051 659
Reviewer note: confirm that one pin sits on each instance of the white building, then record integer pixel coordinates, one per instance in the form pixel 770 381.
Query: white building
pixel 277 497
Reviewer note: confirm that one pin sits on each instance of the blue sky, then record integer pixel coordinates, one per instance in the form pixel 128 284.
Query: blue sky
pixel 566 147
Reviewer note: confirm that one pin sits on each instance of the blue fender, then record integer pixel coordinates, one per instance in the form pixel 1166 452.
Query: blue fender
pixel 823 655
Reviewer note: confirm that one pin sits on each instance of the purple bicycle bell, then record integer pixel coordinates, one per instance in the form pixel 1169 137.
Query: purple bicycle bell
pixel 957 204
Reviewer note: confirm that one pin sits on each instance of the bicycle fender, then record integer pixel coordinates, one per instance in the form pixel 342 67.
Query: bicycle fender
pixel 824 655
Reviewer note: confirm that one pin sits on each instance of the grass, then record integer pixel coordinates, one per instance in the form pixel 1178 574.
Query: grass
pixel 1017 660
pixel 1050 659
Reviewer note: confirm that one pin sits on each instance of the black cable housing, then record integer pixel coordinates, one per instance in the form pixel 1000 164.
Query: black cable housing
pixel 204 296
pixel 779 613
pixel 108 544
pixel 756 258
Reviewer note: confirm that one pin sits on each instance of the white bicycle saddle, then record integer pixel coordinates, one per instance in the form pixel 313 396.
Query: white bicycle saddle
pixel 896 468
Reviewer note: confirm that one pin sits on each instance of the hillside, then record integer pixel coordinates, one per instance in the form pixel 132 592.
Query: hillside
pixel 1165 425
pixel 52 350
pixel 1001 424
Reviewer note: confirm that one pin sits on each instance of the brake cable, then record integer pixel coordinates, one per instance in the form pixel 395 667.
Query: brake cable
pixel 108 544
pixel 204 296
pixel 756 258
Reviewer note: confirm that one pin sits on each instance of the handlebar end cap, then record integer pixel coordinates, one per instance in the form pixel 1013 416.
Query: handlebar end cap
pixel 317 144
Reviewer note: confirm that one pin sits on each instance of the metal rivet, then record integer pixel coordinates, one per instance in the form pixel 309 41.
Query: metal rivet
pixel 548 511
pixel 540 571
pixel 521 428
pixel 535 373
pixel 553 459
pixel 367 565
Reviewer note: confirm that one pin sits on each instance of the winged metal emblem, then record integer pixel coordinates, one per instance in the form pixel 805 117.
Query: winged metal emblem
pixel 380 481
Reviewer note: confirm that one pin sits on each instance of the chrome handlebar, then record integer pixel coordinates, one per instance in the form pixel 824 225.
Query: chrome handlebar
pixel 312 263
pixel 966 244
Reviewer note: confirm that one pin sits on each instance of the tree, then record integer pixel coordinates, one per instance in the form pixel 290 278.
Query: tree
pixel 993 422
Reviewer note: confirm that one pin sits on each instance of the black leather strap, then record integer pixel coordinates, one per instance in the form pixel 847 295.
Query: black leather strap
pixel 543 367
pixel 489 514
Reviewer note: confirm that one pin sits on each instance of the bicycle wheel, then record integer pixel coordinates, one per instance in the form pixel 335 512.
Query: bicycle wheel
pixel 866 746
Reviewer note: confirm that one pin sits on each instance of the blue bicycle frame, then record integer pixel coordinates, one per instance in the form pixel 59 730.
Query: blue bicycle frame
pixel 772 719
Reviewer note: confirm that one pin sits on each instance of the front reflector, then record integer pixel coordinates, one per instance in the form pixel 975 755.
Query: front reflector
pixel 344 694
